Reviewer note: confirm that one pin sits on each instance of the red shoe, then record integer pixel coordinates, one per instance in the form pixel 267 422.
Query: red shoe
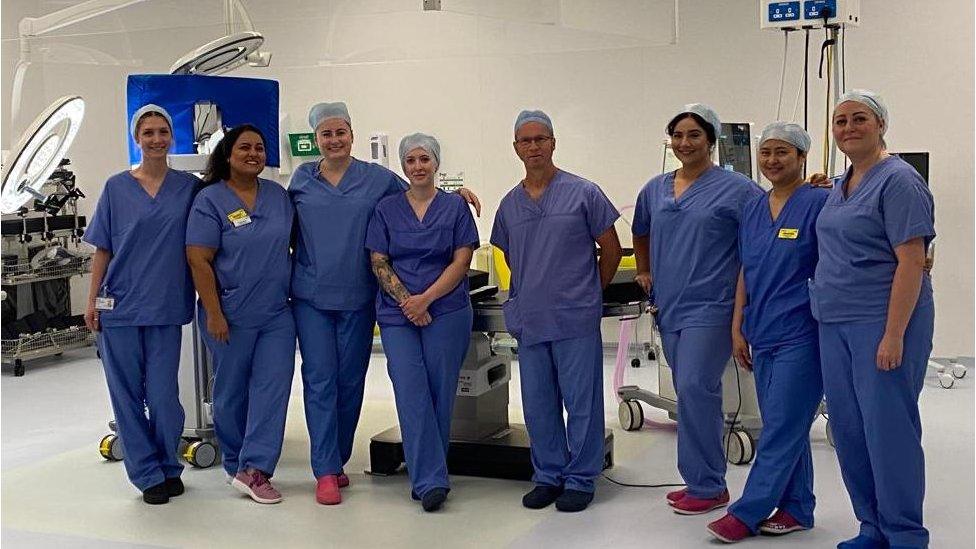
pixel 690 505
pixel 729 529
pixel 780 523
pixel 676 495
pixel 342 480
pixel 327 490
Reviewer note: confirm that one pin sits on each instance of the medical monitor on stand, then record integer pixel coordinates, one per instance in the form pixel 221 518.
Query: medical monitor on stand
pixel 734 152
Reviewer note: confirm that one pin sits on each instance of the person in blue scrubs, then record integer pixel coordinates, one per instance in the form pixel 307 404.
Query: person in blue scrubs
pixel 421 244
pixel 685 231
pixel 546 226
pixel 778 248
pixel 333 288
pixel 140 296
pixel 237 244
pixel 874 302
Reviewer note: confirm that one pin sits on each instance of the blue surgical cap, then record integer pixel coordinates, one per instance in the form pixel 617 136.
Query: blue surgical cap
pixel 707 113
pixel 325 111
pixel 527 116
pixel 156 109
pixel 869 99
pixel 786 131
pixel 421 141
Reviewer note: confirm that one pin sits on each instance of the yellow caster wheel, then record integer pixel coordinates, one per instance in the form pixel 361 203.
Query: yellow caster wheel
pixel 200 454
pixel 111 448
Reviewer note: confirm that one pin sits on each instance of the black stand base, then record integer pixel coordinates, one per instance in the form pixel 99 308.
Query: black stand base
pixel 504 455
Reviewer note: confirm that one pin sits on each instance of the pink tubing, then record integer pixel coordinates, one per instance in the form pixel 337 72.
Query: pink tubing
pixel 626 332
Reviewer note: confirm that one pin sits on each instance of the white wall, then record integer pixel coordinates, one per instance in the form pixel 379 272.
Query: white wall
pixel 607 72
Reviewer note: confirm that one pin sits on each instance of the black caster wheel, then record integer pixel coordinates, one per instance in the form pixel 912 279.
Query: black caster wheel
pixel 200 454
pixel 651 355
pixel 740 447
pixel 19 369
pixel 631 415
pixel 111 448
pixel 635 363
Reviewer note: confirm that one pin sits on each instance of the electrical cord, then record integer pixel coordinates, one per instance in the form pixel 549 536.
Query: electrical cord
pixel 629 485
pixel 782 78
pixel 738 407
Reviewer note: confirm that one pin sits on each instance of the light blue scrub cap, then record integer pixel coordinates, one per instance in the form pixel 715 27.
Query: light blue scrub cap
pixel 325 111
pixel 527 116
pixel 145 109
pixel 869 99
pixel 422 141
pixel 793 134
pixel 704 111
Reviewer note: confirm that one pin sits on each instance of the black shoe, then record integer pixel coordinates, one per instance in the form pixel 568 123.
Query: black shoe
pixel 414 496
pixel 541 496
pixel 572 501
pixel 174 487
pixel 433 499
pixel 156 495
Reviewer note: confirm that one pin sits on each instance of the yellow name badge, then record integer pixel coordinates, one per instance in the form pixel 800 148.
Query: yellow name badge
pixel 238 218
pixel 790 234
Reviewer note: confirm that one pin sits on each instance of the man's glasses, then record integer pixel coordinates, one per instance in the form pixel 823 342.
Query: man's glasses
pixel 540 140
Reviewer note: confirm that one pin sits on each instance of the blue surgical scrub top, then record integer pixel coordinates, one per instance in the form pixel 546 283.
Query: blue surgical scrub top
pixel 555 287
pixel 778 257
pixel 419 251
pixel 252 263
pixel 332 270
pixel 857 237
pixel 147 276
pixel 694 245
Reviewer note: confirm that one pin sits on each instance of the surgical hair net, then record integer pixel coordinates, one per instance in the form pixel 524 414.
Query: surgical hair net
pixel 325 111
pixel 704 111
pixel 786 131
pixel 869 99
pixel 527 116
pixel 156 109
pixel 422 141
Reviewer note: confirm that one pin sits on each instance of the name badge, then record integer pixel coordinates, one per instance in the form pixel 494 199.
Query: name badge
pixel 789 234
pixel 104 303
pixel 238 218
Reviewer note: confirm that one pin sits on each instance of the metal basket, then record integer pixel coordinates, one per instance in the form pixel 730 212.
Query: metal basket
pixel 46 343
pixel 23 273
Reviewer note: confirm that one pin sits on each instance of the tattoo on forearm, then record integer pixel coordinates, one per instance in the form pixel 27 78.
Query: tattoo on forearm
pixel 388 279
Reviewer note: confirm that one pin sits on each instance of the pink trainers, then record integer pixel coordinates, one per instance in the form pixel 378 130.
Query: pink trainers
pixel 729 529
pixel 690 505
pixel 676 495
pixel 327 490
pixel 780 523
pixel 342 480
pixel 255 484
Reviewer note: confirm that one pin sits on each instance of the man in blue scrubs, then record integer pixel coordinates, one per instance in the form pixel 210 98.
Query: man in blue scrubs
pixel 778 247
pixel 546 226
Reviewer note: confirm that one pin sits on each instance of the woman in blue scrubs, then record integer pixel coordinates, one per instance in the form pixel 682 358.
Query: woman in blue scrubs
pixel 873 300
pixel 686 243
pixel 140 296
pixel 778 247
pixel 421 243
pixel 237 245
pixel 333 288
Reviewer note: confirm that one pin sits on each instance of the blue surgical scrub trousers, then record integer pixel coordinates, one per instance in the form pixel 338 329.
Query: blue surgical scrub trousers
pixel 424 364
pixel 789 386
pixel 876 426
pixel 141 367
pixel 335 347
pixel 698 357
pixel 556 374
pixel 252 382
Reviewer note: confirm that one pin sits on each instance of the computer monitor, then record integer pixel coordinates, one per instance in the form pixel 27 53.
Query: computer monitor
pixel 919 161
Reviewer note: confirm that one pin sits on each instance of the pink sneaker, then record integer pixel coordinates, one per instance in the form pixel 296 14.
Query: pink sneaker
pixel 729 529
pixel 780 523
pixel 342 480
pixel 690 505
pixel 327 490
pixel 255 484
pixel 676 495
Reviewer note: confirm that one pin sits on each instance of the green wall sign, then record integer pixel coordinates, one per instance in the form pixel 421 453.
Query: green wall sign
pixel 303 144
